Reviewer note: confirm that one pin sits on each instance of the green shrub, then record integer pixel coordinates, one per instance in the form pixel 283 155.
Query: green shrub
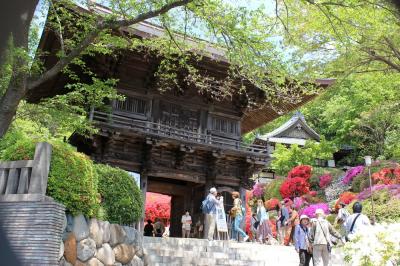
pixel 72 180
pixel 121 198
pixel 314 182
pixel 272 189
pixel 386 207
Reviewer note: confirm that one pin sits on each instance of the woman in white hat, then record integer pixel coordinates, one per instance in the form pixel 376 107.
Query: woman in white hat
pixel 301 242
pixel 320 239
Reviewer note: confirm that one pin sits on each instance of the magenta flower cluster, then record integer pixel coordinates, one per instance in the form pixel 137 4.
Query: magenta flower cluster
pixel 310 210
pixel 394 190
pixel 258 190
pixel 298 202
pixel 351 173
pixel 325 180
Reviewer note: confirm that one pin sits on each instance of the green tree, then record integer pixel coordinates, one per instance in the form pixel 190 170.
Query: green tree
pixel 244 36
pixel 285 158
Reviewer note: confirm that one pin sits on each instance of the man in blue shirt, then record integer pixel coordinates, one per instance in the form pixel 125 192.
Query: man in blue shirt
pixel 210 217
pixel 301 243
pixel 282 221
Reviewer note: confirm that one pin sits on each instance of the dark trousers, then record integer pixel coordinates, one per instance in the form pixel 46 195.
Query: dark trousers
pixel 305 257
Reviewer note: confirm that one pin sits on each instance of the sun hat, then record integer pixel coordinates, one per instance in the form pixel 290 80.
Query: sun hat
pixel 320 211
pixel 213 190
pixel 304 217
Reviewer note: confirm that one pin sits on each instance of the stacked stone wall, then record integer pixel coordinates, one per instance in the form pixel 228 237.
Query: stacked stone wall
pixel 98 243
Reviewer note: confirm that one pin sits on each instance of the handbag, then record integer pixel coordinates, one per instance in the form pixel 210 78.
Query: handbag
pixel 328 243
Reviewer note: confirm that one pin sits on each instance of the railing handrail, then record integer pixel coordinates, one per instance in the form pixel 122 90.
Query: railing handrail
pixel 167 130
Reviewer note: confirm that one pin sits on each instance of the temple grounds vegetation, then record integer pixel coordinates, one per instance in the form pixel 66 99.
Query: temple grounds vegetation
pixel 94 190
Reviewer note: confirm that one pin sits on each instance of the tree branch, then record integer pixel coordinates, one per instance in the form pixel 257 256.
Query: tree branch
pixel 101 25
pixel 376 57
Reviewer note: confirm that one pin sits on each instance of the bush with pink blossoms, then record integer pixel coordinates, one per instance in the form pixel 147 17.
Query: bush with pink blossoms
pixel 325 180
pixel 258 190
pixel 394 190
pixel 351 173
pixel 310 210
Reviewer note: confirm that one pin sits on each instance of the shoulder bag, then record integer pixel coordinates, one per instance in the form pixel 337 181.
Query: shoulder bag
pixel 328 243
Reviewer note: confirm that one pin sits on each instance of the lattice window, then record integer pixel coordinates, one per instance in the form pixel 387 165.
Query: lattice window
pixel 225 125
pixel 132 105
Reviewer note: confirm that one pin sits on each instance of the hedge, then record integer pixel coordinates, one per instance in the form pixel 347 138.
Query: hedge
pixel 72 180
pixel 121 198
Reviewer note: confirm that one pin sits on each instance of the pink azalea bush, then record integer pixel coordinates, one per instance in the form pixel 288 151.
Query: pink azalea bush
pixel 351 173
pixel 258 190
pixel 394 190
pixel 325 180
pixel 310 210
pixel 299 202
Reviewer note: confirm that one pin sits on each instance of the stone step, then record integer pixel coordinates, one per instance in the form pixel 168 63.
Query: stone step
pixel 189 253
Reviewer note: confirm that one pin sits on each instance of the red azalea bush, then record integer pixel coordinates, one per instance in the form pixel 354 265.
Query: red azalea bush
pixel 294 187
pixel 302 171
pixel 325 180
pixel 346 197
pixel 157 206
pixel 387 176
pixel 271 203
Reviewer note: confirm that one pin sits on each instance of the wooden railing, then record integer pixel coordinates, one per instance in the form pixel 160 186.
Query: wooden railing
pixel 159 129
pixel 26 180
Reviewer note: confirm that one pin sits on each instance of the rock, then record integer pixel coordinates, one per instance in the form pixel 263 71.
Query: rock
pixel 95 232
pixel 80 227
pixel 105 229
pixel 138 239
pixel 65 223
pixel 79 263
pixel 94 262
pixel 86 249
pixel 117 264
pixel 139 252
pixel 117 235
pixel 70 219
pixel 106 255
pixel 61 250
pixel 136 261
pixel 124 253
pixel 70 249
pixel 130 235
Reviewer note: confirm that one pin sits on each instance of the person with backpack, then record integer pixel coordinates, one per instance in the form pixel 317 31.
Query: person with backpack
pixel 159 228
pixel 320 239
pixel 356 222
pixel 237 212
pixel 209 209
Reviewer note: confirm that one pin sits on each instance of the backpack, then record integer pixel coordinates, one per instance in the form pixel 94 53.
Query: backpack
pixel 206 206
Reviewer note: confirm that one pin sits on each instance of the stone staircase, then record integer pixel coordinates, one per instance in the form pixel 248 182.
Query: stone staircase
pixel 200 252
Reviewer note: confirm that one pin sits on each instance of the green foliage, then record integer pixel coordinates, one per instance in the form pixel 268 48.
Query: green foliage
pixel 272 189
pixel 121 198
pixel 72 180
pixel 386 207
pixel 287 158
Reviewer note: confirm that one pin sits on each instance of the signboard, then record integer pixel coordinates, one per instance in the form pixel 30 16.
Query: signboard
pixel 222 226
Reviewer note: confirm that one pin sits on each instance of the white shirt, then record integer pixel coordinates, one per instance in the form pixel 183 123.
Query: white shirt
pixel 343 214
pixel 186 221
pixel 362 223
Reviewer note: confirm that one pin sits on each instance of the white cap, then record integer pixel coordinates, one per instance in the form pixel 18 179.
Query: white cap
pixel 213 190
pixel 319 212
pixel 304 217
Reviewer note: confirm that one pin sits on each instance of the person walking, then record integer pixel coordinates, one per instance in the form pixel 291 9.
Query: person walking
pixel 301 242
pixel 320 239
pixel 356 222
pixel 291 224
pixel 237 214
pixel 342 216
pixel 186 224
pixel 283 216
pixel 159 228
pixel 264 232
pixel 209 208
pixel 148 228
pixel 254 223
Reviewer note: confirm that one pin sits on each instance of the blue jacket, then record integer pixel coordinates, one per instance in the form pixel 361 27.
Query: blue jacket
pixel 262 214
pixel 300 237
pixel 285 214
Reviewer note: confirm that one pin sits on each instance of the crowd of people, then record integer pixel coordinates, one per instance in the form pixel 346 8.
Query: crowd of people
pixel 312 238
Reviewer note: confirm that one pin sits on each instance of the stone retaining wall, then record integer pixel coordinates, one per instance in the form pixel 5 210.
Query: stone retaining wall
pixel 97 243
pixel 34 230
